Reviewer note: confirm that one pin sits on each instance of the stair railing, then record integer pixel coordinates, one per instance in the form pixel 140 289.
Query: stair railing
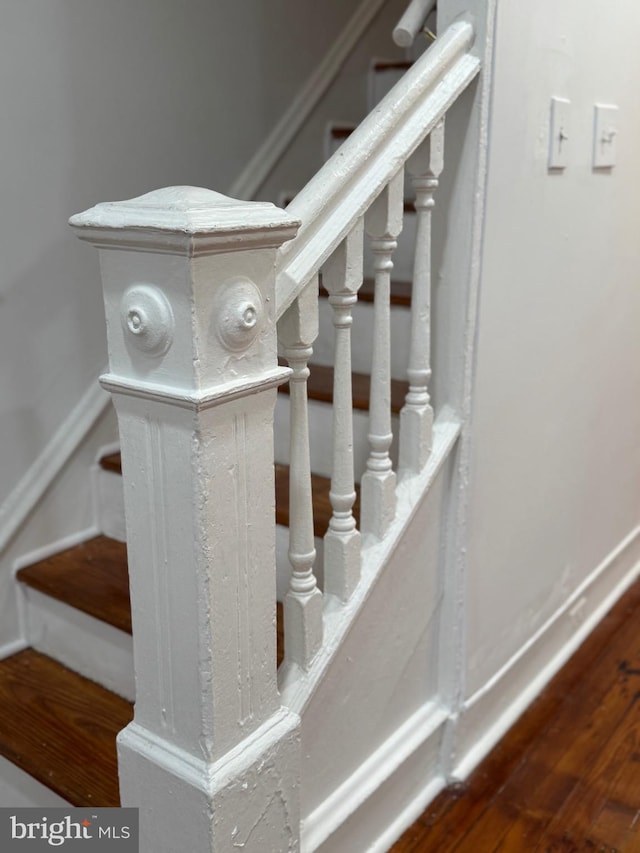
pixel 412 21
pixel 194 284
pixel 360 189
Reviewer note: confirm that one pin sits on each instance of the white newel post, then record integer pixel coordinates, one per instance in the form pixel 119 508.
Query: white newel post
pixel 211 758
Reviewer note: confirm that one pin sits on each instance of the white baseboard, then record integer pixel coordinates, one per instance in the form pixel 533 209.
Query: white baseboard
pixel 488 714
pixel 50 462
pixel 257 170
pixel 369 810
pixel 8 649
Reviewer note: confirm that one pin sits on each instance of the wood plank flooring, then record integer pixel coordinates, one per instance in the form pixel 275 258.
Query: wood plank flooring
pixel 566 777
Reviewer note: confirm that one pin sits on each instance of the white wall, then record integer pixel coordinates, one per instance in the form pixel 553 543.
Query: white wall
pixel 107 100
pixel 556 452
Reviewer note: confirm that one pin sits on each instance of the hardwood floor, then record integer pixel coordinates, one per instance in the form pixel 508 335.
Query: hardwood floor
pixel 566 778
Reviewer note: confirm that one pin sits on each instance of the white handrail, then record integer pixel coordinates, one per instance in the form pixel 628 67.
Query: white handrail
pixel 412 21
pixel 347 184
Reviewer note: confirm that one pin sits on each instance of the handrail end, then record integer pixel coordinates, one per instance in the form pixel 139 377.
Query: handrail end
pixel 402 37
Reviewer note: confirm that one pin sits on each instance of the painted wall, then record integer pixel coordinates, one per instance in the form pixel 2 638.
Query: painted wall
pixel 556 453
pixel 105 101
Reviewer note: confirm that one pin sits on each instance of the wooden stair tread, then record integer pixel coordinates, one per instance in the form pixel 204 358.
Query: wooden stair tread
pixel 392 65
pixel 342 131
pixel 320 388
pixel 400 292
pixel 320 487
pixel 92 577
pixel 61 728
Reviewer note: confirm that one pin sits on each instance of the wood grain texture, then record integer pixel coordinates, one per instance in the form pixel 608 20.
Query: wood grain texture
pixel 320 388
pixel 566 777
pixel 61 728
pixel 92 577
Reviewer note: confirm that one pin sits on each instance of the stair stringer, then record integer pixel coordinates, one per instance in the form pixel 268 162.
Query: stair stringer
pixel 372 722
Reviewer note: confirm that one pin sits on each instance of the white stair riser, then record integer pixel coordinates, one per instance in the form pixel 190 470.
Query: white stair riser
pixel 108 486
pixel 99 651
pixel 362 337
pixel 320 433
pixel 86 645
pixel 109 498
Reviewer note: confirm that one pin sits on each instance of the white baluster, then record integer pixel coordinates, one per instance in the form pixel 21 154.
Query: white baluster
pixel 189 289
pixel 383 224
pixel 416 417
pixel 342 277
pixel 297 330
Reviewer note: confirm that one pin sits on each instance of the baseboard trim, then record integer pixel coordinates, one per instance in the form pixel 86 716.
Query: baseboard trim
pixel 8 649
pixel 487 715
pixel 404 763
pixel 263 161
pixel 21 502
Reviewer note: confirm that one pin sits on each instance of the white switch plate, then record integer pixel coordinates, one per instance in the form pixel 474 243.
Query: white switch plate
pixel 559 135
pixel 605 132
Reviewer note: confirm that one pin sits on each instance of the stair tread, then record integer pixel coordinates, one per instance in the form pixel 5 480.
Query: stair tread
pixel 400 292
pixel 92 577
pixel 320 388
pixel 61 728
pixel 392 65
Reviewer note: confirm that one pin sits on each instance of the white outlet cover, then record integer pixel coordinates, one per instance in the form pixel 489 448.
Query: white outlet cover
pixel 605 134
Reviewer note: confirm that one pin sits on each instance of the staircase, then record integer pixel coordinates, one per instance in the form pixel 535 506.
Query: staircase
pixel 210 719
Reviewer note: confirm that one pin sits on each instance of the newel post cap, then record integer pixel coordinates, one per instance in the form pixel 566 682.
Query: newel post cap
pixel 179 219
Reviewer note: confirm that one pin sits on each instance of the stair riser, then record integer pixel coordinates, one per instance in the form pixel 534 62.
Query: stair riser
pixel 109 503
pixel 84 644
pixel 362 338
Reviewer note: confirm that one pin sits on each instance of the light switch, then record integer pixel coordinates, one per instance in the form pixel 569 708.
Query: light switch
pixel 605 130
pixel 559 135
